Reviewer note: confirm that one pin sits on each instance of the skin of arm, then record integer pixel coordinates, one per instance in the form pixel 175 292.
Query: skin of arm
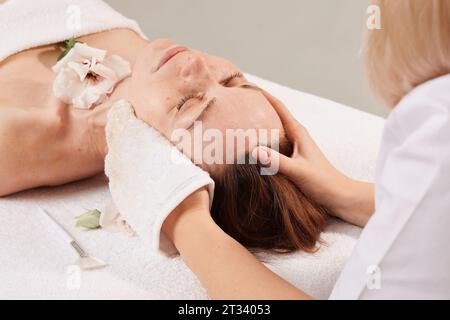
pixel 228 270
pixel 357 202
pixel 231 271
pixel 43 141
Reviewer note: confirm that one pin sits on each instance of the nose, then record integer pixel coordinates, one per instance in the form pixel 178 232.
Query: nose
pixel 195 69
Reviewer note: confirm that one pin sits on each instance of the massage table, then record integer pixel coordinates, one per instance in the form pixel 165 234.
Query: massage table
pixel 36 264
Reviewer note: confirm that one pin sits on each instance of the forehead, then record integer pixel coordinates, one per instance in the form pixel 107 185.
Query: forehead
pixel 239 115
pixel 218 63
pixel 241 108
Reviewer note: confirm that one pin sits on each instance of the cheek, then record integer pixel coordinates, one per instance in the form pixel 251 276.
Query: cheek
pixel 153 112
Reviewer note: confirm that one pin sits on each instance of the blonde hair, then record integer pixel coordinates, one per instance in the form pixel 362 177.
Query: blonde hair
pixel 412 47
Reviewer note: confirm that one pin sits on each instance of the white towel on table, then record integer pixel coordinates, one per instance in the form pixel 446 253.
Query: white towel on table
pixel 148 176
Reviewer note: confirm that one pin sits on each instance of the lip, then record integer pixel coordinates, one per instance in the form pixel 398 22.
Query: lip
pixel 169 54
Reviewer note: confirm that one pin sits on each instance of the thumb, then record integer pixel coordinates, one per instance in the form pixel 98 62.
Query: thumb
pixel 270 158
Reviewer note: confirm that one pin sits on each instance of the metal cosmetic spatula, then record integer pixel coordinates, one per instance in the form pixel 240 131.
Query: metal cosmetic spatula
pixel 85 262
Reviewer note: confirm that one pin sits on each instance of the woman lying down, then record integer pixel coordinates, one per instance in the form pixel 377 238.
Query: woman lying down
pixel 53 116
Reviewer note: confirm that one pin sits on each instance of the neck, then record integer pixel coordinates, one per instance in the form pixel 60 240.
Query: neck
pixel 97 119
pixel 112 41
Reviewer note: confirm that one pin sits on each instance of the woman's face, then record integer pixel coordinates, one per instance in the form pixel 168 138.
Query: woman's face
pixel 172 87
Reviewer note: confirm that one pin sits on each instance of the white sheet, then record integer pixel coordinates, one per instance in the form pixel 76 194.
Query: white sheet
pixel 29 24
pixel 34 263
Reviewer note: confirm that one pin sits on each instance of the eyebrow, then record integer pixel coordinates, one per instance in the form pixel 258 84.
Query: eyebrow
pixel 233 76
pixel 250 86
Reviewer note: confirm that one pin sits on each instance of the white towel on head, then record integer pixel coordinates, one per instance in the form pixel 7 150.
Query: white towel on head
pixel 148 176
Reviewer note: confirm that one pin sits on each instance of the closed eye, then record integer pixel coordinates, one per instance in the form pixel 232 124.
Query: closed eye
pixel 224 82
pixel 183 101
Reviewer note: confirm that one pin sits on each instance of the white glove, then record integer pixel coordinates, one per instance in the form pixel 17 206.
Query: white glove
pixel 148 176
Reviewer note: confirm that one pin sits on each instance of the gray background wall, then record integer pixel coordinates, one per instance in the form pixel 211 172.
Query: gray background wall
pixel 310 45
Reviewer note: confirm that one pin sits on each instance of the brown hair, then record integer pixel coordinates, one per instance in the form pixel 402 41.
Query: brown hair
pixel 412 47
pixel 266 212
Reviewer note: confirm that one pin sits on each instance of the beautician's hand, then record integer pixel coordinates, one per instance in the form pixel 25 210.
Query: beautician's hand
pixel 310 170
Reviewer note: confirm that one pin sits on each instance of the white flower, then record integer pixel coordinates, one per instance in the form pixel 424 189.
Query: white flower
pixel 86 76
pixel 112 221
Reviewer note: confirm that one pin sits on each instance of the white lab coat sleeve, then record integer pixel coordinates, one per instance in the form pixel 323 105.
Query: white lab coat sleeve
pixel 403 251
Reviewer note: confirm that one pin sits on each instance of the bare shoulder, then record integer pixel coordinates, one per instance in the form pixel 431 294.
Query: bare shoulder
pixel 20 150
pixel 8 138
